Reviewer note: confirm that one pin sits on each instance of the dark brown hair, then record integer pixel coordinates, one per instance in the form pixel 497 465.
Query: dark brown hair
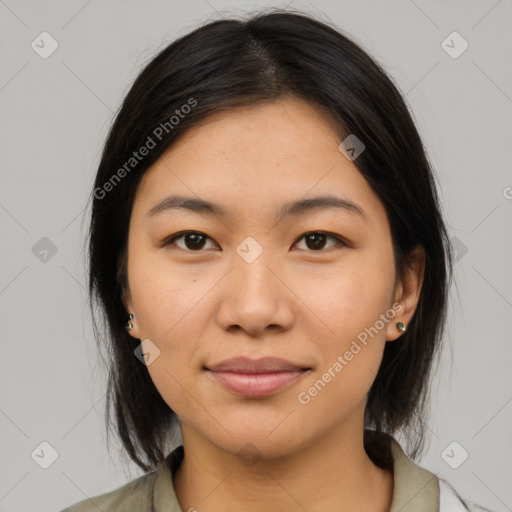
pixel 230 63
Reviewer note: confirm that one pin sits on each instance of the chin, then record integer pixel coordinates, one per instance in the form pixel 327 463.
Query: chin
pixel 256 443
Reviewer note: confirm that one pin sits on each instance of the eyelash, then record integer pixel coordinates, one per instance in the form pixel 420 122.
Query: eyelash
pixel 170 240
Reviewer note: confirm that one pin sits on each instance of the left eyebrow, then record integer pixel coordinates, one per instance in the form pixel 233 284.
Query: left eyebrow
pixel 303 206
pixel 296 208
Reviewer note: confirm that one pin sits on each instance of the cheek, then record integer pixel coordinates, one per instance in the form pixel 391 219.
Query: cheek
pixel 351 297
pixel 354 304
pixel 171 316
pixel 351 353
pixel 163 295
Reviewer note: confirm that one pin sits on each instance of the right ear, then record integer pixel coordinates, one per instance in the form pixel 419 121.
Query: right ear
pixel 126 299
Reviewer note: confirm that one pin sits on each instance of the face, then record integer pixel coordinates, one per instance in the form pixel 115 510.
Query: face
pixel 315 287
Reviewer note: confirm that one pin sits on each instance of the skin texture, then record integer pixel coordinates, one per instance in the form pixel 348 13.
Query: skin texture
pixel 306 303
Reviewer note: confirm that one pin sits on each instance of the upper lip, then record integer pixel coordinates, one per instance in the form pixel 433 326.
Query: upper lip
pixel 263 365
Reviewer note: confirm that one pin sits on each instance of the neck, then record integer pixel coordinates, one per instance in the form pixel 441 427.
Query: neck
pixel 332 474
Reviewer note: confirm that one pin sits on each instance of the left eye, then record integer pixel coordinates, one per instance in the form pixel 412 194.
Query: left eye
pixel 194 241
pixel 318 238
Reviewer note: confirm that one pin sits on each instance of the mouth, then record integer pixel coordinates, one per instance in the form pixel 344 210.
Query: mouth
pixel 256 378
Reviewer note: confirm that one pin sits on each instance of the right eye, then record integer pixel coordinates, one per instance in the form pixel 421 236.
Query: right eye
pixel 193 241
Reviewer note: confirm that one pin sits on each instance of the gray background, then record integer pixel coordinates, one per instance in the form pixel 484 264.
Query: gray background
pixel 55 113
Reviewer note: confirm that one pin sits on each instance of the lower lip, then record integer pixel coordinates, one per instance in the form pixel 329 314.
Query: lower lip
pixel 256 384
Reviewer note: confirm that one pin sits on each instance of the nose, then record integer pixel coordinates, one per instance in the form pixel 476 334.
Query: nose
pixel 256 297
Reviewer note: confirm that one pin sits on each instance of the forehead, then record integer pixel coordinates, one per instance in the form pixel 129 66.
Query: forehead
pixel 257 158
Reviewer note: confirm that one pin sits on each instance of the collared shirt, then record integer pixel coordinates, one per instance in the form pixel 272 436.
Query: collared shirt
pixel 414 490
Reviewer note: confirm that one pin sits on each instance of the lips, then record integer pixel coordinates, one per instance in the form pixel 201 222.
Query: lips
pixel 263 365
pixel 256 378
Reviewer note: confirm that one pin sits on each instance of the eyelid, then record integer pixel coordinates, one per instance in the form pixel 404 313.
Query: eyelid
pixel 341 242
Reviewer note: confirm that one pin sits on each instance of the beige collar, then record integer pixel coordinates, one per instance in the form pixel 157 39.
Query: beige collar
pixel 415 488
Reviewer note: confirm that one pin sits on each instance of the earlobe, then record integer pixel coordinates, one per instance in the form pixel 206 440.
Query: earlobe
pixel 407 293
pixel 395 330
pixel 130 326
pixel 130 323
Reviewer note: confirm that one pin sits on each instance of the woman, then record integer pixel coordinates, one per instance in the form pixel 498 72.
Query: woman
pixel 269 253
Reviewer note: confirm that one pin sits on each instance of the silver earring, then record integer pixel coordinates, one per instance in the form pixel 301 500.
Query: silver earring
pixel 129 326
pixel 401 326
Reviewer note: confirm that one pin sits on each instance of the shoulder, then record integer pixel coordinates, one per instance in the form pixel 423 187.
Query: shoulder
pixel 420 490
pixel 135 496
pixel 150 492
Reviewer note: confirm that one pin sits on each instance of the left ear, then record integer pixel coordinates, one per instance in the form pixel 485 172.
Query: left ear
pixel 407 292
